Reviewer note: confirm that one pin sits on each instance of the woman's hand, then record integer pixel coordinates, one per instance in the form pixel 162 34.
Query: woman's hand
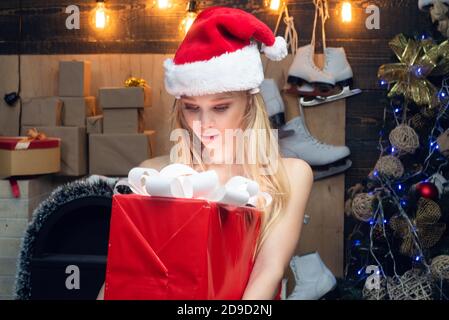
pixel 279 246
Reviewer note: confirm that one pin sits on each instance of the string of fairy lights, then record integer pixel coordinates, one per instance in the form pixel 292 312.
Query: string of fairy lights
pixel 102 16
pixel 391 189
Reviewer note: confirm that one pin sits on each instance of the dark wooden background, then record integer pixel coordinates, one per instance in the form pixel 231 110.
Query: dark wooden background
pixel 38 27
pixel 137 26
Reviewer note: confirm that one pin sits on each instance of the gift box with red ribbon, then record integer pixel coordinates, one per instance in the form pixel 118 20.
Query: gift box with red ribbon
pixel 163 248
pixel 29 155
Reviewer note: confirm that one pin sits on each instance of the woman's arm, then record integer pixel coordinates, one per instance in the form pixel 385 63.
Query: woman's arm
pixel 279 246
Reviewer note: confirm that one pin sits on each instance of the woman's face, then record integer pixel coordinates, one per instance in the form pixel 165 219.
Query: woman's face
pixel 209 116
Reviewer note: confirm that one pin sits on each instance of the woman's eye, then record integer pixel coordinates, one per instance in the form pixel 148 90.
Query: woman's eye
pixel 190 107
pixel 221 108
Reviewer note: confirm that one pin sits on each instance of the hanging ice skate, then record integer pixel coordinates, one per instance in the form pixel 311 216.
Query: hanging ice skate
pixel 274 106
pixel 326 160
pixel 313 85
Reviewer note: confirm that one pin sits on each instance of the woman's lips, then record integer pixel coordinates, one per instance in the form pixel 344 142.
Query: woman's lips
pixel 209 137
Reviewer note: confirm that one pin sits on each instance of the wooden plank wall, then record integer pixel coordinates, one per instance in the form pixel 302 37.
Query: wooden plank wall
pixel 138 28
pixel 141 37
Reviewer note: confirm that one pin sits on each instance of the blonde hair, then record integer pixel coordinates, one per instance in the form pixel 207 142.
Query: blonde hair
pixel 276 183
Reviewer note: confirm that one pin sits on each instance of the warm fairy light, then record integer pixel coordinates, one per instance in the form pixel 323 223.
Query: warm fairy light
pixel 275 4
pixel 346 12
pixel 163 4
pixel 100 15
pixel 186 23
pixel 189 18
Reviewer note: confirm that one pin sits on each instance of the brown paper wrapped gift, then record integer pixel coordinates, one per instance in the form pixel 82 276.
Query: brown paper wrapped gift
pixel 116 154
pixel 9 119
pixel 73 148
pixel 123 121
pixel 42 111
pixel 94 124
pixel 77 109
pixel 124 97
pixel 19 157
pixel 74 78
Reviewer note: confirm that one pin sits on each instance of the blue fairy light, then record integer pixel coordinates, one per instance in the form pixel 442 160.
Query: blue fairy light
pixel 385 221
pixel 443 94
pixel 403 203
pixel 383 83
pixel 417 258
pixel 399 187
pixel 357 243
pixel 419 71
pixel 392 149
pixel 397 110
pixel 360 271
pixel 376 173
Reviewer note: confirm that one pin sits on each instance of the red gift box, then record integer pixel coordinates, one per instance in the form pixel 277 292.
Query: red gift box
pixel 172 248
pixel 19 156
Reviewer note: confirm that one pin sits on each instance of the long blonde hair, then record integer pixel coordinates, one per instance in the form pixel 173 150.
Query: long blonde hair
pixel 276 184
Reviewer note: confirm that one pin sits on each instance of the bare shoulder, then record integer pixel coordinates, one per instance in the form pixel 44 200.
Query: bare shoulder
pixel 157 162
pixel 299 172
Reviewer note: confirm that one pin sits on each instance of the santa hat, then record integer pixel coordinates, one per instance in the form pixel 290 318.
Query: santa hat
pixel 218 54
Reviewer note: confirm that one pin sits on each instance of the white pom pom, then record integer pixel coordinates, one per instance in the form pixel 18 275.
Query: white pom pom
pixel 277 51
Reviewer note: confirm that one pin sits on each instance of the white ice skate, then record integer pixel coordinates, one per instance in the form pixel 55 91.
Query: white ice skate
pixel 306 77
pixel 425 5
pixel 275 106
pixel 313 278
pixel 326 160
pixel 337 65
pixel 316 86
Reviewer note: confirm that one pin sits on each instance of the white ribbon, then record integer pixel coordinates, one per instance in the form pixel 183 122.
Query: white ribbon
pixel 181 181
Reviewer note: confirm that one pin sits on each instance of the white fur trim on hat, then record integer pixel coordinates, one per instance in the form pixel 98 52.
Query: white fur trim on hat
pixel 277 51
pixel 235 71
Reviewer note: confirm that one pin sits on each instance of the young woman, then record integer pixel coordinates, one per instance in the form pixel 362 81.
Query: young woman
pixel 217 94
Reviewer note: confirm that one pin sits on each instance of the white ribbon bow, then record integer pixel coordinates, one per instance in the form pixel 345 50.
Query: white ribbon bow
pixel 181 181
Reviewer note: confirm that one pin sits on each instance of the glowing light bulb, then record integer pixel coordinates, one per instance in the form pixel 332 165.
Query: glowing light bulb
pixel 346 12
pixel 100 15
pixel 275 4
pixel 187 22
pixel 163 4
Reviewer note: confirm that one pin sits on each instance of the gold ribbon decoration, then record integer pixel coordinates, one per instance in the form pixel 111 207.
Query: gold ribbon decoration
pixel 135 82
pixel 32 134
pixel 417 61
pixel 425 224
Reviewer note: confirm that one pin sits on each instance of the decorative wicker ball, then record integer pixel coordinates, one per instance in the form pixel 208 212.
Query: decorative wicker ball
pixel 376 294
pixel 417 121
pixel 412 285
pixel 362 206
pixel 404 138
pixel 440 267
pixel 390 166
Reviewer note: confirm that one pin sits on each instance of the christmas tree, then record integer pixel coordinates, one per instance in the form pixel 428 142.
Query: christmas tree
pixel 398 246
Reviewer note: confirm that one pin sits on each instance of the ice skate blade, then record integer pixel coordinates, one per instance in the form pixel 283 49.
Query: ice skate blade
pixel 345 93
pixel 338 167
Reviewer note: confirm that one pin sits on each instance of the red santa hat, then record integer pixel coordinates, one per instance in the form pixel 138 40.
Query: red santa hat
pixel 218 54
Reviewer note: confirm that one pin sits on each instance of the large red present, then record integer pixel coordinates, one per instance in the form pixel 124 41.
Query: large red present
pixel 177 248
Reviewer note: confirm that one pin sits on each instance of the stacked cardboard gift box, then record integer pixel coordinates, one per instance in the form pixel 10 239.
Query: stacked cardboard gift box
pixel 65 116
pixel 120 142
